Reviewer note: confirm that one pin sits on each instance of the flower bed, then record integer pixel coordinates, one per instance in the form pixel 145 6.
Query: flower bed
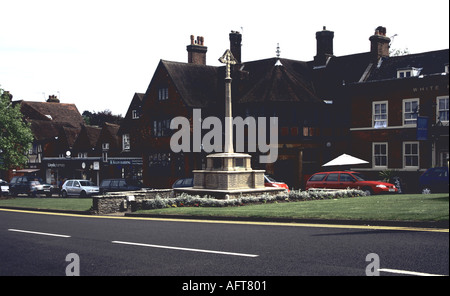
pixel 185 200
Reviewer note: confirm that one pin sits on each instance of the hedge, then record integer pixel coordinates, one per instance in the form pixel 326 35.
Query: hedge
pixel 186 200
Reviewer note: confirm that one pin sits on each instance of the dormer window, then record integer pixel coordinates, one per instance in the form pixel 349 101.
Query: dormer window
pixel 408 72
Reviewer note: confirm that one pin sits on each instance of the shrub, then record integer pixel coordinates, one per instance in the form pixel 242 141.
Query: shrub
pixel 186 200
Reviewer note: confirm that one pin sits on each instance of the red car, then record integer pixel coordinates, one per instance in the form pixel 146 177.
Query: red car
pixel 270 182
pixel 346 179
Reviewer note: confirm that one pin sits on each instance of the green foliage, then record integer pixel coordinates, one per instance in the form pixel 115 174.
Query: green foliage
pixel 186 200
pixel 15 134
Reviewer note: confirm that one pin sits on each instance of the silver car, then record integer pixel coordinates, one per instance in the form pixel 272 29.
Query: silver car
pixel 81 188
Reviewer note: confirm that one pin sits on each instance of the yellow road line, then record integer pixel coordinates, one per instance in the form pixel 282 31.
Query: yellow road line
pixel 367 227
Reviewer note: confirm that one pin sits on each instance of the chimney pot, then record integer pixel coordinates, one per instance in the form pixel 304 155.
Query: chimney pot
pixel 197 51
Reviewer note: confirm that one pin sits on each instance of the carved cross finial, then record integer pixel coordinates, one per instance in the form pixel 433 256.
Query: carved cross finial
pixel 228 59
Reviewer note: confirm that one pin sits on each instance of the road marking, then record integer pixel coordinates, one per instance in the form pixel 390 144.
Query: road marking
pixel 367 227
pixel 40 233
pixel 408 272
pixel 186 249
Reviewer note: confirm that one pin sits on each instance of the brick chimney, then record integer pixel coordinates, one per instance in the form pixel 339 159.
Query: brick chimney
pixel 236 45
pixel 324 46
pixel 52 99
pixel 197 51
pixel 379 44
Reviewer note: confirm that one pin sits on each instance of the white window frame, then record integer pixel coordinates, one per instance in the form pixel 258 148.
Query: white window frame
pixel 374 120
pixel 438 109
pixel 134 114
pixel 405 166
pixel 126 145
pixel 163 93
pixel 408 72
pixel 374 155
pixel 404 111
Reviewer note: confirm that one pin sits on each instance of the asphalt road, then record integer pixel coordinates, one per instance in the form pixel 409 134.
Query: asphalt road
pixel 39 244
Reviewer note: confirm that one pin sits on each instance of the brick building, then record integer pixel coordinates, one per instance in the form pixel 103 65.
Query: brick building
pixel 366 104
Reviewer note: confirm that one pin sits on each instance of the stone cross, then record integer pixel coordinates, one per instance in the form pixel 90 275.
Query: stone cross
pixel 228 60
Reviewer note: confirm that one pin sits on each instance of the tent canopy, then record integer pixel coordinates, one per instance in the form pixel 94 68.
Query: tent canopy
pixel 345 159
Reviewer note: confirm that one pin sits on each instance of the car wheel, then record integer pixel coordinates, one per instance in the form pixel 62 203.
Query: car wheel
pixel 64 194
pixel 83 194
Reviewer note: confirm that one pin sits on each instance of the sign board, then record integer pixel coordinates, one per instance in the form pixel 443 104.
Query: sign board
pixel 422 128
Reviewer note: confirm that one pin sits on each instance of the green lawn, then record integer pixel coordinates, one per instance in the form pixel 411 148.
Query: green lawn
pixel 418 207
pixel 68 204
pixel 433 207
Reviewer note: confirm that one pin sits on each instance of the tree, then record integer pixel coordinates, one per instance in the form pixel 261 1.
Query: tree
pixel 15 134
pixel 395 52
pixel 99 118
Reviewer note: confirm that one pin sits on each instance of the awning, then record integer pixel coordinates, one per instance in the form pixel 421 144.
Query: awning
pixel 345 159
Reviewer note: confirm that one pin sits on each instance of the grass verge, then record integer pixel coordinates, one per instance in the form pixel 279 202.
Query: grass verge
pixel 420 207
pixel 65 204
pixel 401 207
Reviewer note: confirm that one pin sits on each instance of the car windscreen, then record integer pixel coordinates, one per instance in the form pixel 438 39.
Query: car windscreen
pixel 86 183
pixel 360 177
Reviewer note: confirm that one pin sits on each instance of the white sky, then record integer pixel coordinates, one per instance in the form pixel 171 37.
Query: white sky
pixel 98 53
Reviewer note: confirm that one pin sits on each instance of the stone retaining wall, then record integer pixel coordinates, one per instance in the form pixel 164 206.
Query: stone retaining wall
pixel 125 201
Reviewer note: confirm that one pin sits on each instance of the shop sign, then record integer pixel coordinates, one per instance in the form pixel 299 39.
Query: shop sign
pixel 56 165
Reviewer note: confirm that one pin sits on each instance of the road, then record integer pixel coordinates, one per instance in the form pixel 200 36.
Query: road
pixel 39 244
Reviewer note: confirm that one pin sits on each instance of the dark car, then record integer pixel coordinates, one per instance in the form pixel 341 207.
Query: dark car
pixel 185 182
pixel 115 185
pixel 32 186
pixel 434 180
pixel 349 179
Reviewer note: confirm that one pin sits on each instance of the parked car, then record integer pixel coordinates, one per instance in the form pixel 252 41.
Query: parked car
pixel 270 182
pixel 185 182
pixel 81 188
pixel 349 179
pixel 30 185
pixel 434 180
pixel 4 188
pixel 115 185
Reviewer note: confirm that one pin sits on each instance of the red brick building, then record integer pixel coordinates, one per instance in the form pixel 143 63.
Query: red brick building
pixel 399 115
pixel 365 104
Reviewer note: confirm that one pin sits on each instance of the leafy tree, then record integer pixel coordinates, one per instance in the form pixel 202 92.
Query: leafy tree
pixel 99 118
pixel 15 134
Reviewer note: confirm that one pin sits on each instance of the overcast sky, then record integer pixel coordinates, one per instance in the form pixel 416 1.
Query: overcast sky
pixel 98 53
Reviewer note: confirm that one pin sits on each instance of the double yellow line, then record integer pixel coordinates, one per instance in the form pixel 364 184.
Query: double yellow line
pixel 365 227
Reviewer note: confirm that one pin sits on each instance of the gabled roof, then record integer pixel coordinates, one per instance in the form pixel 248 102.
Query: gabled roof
pixel 276 80
pixel 128 121
pixel 87 138
pixel 54 112
pixel 197 84
pixel 432 62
